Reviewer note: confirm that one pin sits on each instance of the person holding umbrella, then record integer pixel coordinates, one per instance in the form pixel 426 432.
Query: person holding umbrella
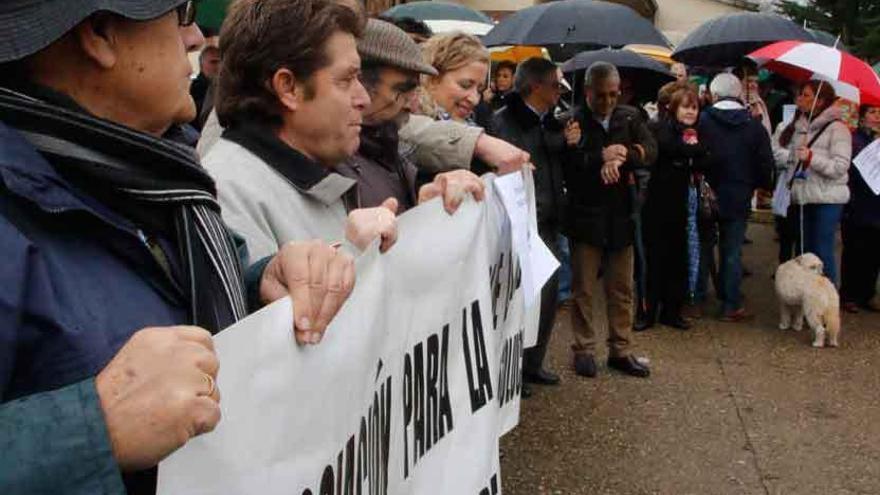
pixel 600 217
pixel 817 151
pixel 502 84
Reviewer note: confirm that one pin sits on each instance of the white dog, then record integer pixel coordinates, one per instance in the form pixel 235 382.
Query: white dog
pixel 805 293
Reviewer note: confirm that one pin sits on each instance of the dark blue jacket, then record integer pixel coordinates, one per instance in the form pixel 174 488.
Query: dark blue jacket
pixel 742 159
pixel 864 206
pixel 77 281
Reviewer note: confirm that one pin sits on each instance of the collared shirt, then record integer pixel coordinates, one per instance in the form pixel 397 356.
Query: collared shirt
pixel 729 105
pixel 533 109
pixel 272 194
pixel 605 123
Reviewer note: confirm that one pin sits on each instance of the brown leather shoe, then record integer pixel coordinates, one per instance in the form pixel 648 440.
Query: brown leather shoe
pixel 736 316
pixel 630 366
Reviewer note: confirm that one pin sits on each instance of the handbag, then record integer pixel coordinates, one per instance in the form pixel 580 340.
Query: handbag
pixel 707 207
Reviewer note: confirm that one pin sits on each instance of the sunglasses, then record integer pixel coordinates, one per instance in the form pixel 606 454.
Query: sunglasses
pixel 186 13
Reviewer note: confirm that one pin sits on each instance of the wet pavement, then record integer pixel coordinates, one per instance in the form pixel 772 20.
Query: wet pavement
pixel 729 409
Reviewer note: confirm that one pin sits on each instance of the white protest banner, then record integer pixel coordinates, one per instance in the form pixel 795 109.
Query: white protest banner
pixel 414 382
pixel 868 164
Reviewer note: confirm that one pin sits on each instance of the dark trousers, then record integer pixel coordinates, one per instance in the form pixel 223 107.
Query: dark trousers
pixel 667 255
pixel 732 236
pixel 860 262
pixel 787 232
pixel 533 357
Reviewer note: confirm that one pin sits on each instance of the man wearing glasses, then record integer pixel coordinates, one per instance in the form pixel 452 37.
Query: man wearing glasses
pixel 600 220
pixel 116 266
pixel 391 64
pixel 527 122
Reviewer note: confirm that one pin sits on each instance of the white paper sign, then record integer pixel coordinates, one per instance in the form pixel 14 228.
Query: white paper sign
pixel 788 113
pixel 868 164
pixel 416 379
pixel 537 260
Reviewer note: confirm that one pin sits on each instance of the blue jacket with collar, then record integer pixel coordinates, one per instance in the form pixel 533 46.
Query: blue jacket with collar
pixel 78 281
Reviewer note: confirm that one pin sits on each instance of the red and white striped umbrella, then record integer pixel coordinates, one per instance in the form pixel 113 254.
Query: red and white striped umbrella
pixel 801 61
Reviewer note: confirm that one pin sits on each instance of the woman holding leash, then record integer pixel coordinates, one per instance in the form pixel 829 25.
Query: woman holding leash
pixel 817 154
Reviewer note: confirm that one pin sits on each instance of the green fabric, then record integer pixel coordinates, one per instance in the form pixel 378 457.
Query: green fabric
pixel 210 13
pixel 57 442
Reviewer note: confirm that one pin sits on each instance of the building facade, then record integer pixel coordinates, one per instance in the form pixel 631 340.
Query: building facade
pixel 675 18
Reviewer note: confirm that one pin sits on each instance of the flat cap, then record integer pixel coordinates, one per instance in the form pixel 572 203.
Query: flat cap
pixel 386 43
pixel 28 26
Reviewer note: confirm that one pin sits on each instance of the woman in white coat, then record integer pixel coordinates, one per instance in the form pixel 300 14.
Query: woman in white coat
pixel 816 153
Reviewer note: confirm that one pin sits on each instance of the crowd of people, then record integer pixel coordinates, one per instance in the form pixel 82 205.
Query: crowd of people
pixel 142 212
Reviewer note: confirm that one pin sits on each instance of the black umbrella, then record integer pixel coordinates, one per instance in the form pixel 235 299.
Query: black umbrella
pixel 827 39
pixel 580 24
pixel 645 73
pixel 725 40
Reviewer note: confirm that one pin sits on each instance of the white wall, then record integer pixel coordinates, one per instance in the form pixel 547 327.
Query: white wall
pixel 676 18
pixel 496 4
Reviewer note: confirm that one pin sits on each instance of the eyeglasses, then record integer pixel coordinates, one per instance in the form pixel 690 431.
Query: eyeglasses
pixel 186 13
pixel 555 85
pixel 404 90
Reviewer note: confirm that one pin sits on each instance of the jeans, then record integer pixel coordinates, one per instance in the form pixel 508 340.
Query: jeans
pixel 564 268
pixel 820 226
pixel 733 233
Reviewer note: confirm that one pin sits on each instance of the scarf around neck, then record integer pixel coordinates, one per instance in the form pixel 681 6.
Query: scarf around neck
pixel 151 182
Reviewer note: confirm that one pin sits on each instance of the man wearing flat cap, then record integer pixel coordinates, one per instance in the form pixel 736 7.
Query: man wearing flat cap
pixel 116 266
pixel 391 64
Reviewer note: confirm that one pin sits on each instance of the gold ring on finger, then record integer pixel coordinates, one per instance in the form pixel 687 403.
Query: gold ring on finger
pixel 212 385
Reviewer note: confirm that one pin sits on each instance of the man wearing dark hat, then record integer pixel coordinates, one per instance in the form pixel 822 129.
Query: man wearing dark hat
pixel 391 64
pixel 111 241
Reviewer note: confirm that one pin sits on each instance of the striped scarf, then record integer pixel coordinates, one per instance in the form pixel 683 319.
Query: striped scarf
pixel 153 183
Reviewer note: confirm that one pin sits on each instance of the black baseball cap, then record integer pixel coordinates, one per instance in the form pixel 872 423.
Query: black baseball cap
pixel 28 26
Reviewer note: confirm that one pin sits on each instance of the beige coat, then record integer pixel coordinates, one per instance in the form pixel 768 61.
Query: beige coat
pixel 437 145
pixel 827 176
pixel 266 208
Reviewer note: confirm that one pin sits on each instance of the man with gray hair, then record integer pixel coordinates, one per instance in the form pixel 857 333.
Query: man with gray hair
pixel 742 160
pixel 117 268
pixel 527 122
pixel 600 220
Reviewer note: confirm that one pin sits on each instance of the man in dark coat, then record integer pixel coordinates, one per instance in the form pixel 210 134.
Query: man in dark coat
pixel 391 64
pixel 600 217
pixel 527 122
pixel 742 161
pixel 202 86
pixel 112 242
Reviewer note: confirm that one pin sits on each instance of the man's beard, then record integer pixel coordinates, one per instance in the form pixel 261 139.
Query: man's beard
pixel 401 119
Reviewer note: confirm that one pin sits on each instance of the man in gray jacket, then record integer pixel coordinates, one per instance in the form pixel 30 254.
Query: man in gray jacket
pixel 292 104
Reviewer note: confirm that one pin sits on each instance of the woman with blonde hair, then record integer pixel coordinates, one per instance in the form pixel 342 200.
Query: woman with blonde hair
pixel 462 63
